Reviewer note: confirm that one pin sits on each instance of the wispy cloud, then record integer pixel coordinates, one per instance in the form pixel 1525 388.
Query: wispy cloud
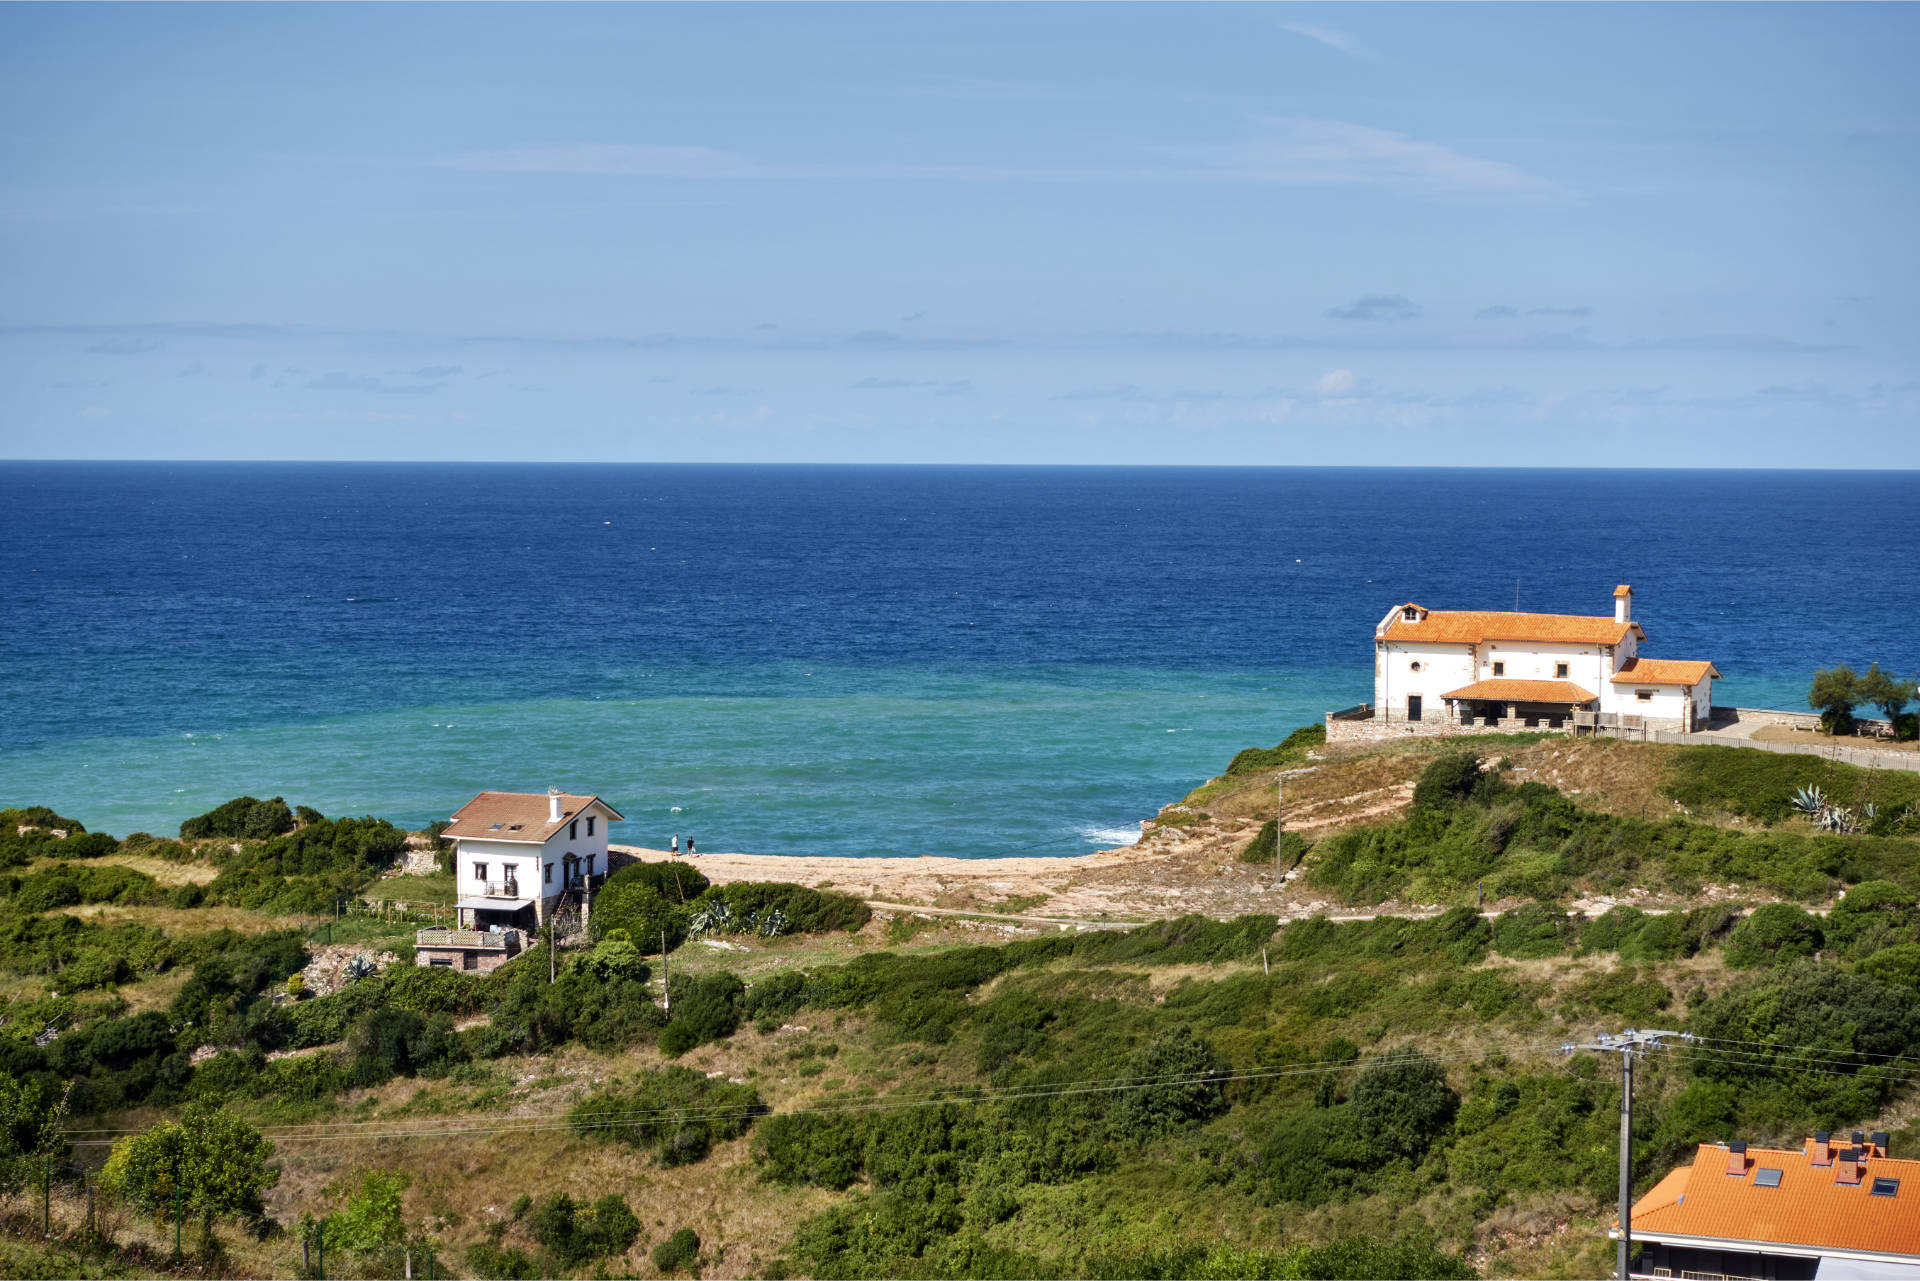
pixel 122 347
pixel 339 381
pixel 1284 151
pixel 1577 312
pixel 1327 36
pixel 1377 309
pixel 1499 311
pixel 938 386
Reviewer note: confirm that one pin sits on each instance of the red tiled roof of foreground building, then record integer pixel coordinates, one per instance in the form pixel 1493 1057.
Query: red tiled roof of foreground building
pixel 1519 691
pixel 1472 626
pixel 1812 1207
pixel 519 817
pixel 1664 671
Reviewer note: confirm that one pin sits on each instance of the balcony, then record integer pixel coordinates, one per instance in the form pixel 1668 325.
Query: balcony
pixel 507 941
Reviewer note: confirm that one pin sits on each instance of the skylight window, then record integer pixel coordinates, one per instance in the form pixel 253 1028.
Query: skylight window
pixel 1767 1178
pixel 496 827
pixel 1885 1187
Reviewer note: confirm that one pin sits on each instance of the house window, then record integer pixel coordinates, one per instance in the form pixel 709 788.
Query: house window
pixel 1560 670
pixel 1499 669
pixel 589 865
pixel 573 830
pixel 589 825
pixel 442 962
pixel 1414 666
pixel 549 874
pixel 480 872
pixel 1644 695
pixel 1411 614
pixel 1885 1187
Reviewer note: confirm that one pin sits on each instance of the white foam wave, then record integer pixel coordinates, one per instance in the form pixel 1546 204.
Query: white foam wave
pixel 1111 838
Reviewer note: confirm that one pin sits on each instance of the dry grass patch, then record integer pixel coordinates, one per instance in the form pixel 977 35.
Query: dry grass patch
pixel 154 993
pixel 160 869
pixel 184 920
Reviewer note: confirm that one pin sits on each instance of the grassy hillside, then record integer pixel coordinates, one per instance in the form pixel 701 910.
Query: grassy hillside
pixel 1190 1098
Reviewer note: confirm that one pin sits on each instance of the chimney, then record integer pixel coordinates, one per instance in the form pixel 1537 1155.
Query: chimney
pixel 1737 1159
pixel 1859 1138
pixel 554 800
pixel 1623 604
pixel 1846 1169
pixel 1822 1148
pixel 1880 1140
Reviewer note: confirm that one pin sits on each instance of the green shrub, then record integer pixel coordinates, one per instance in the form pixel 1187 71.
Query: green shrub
pixel 676 1113
pixel 1294 747
pixel 1774 933
pixel 1403 1103
pixel 1896 965
pixel 574 1233
pixel 1534 930
pixel 1260 848
pixel 1181 1075
pixel 678 1252
pixel 772 908
pixel 678 883
pixel 1451 779
pixel 244 818
pixel 637 907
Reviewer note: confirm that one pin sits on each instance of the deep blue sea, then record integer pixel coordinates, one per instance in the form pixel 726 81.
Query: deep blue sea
pixel 838 660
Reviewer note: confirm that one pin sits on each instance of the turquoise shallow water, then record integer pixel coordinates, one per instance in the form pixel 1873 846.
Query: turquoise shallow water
pixel 826 761
pixel 858 661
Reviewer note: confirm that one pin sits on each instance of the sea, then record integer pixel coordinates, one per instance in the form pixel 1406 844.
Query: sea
pixel 873 660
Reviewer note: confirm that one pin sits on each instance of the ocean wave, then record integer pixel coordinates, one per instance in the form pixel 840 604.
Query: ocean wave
pixel 1109 838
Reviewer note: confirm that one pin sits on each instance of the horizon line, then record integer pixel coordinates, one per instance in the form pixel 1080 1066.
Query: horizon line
pixel 1057 466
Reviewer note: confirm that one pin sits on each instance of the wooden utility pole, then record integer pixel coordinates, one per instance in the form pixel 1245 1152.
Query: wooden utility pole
pixel 1626 1044
pixel 666 986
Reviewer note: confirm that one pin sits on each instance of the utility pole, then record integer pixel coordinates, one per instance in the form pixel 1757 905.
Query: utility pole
pixel 1627 1044
pixel 666 986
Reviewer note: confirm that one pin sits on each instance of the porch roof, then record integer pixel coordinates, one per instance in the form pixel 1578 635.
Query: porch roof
pixel 495 904
pixel 1518 691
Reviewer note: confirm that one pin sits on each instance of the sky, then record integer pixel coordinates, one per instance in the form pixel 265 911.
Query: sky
pixel 1503 235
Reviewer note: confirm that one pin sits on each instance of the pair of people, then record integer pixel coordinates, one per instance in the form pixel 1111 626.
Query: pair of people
pixel 675 847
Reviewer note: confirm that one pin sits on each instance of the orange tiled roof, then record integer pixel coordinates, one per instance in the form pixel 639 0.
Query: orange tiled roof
pixel 1663 671
pixel 1810 1207
pixel 520 817
pixel 1471 626
pixel 1518 691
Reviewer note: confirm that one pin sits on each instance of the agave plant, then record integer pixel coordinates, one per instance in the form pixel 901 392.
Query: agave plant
pixel 1826 816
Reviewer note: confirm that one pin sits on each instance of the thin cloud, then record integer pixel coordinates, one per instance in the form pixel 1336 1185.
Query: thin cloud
pixel 339 381
pixel 1286 151
pixel 1580 312
pixel 1377 309
pixel 122 347
pixel 1327 36
pixel 1496 312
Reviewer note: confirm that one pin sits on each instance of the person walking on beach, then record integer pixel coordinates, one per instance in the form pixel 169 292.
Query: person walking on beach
pixel 689 847
pixel 675 847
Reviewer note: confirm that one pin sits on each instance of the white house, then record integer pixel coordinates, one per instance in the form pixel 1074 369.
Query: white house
pixel 1452 671
pixel 517 853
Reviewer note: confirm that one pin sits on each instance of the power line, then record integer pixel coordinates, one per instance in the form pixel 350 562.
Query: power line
pixel 639 1118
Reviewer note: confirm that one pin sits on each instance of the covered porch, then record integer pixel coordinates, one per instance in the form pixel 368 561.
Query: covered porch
pixel 1517 704
pixel 497 913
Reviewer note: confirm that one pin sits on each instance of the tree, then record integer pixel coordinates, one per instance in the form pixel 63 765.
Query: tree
pixel 678 1251
pixel 1403 1103
pixel 31 1114
pixel 641 910
pixel 1181 1075
pixel 1834 694
pixel 216 1162
pixel 372 1219
pixel 1887 692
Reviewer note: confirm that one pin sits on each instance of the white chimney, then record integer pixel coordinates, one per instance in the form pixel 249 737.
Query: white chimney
pixel 1623 604
pixel 554 799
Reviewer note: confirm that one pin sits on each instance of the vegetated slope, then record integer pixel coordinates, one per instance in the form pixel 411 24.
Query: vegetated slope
pixel 1190 1098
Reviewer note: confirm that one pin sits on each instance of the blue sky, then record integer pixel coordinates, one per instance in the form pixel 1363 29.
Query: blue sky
pixel 1630 235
